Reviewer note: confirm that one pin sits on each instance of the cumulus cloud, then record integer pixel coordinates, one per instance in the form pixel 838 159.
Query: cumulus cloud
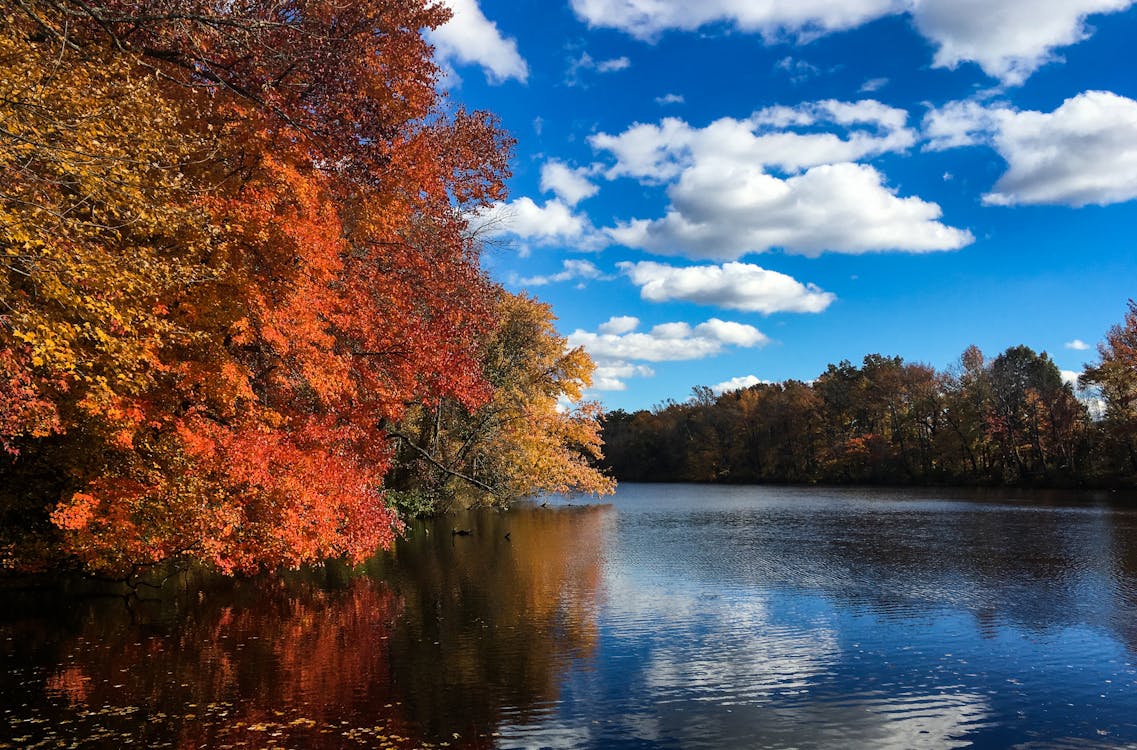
pixel 1077 345
pixel 611 376
pixel 960 123
pixel 670 99
pixel 724 210
pixel 647 19
pixel 784 177
pixel 574 270
pixel 1082 153
pixel 553 223
pixel 469 38
pixel 1008 39
pixel 668 342
pixel 737 384
pixel 570 185
pixel 661 152
pixel 619 349
pixel 619 325
pixel 735 286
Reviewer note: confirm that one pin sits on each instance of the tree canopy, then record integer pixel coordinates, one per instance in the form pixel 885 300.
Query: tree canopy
pixel 1007 420
pixel 233 250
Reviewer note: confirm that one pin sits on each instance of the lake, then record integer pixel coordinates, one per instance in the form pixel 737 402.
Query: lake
pixel 673 617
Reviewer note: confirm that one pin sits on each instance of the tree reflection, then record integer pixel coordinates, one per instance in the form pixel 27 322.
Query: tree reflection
pixel 431 644
pixel 490 622
pixel 1123 576
pixel 216 666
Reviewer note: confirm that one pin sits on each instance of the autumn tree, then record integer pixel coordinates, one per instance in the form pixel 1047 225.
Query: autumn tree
pixel 233 249
pixel 1034 416
pixel 1115 376
pixel 535 435
pixel 966 392
pixel 1007 420
pixel 639 447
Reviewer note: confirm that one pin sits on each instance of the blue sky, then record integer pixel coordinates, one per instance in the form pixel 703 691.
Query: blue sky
pixel 729 191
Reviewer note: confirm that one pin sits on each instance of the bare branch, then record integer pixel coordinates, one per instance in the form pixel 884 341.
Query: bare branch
pixel 434 462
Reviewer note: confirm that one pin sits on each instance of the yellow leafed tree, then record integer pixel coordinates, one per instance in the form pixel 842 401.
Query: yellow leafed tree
pixel 537 435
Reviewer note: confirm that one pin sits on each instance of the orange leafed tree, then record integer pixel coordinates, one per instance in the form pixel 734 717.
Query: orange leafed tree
pixel 233 247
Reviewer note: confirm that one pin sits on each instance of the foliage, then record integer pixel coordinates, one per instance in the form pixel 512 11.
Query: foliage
pixel 1115 375
pixel 1011 420
pixel 533 436
pixel 232 249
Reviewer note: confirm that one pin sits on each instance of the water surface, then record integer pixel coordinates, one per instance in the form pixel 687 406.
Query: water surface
pixel 676 617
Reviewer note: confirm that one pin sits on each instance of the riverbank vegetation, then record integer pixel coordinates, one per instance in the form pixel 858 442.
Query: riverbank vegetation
pixel 241 312
pixel 1010 420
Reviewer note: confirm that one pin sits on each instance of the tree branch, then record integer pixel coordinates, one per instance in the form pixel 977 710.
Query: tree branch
pixel 437 464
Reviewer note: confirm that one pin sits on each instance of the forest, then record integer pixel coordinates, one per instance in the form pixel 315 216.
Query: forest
pixel 1010 420
pixel 243 319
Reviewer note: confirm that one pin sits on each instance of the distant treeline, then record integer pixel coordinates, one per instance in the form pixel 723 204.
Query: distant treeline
pixel 1007 420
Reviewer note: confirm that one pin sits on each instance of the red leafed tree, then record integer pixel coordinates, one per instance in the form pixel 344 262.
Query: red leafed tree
pixel 293 271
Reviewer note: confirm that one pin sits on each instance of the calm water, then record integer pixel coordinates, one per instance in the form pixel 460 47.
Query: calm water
pixel 676 617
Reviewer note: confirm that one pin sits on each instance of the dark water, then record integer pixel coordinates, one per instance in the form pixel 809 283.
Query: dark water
pixel 677 617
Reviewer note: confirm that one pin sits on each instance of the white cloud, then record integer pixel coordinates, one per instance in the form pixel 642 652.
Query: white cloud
pixel 574 270
pixel 737 384
pixel 470 38
pixel 570 185
pixel 616 63
pixel 873 84
pixel 735 286
pixel 727 198
pixel 646 19
pixel 649 151
pixel 619 324
pixel 668 342
pixel 724 210
pixel 618 348
pixel 1077 345
pixel 554 223
pixel 960 123
pixel 587 63
pixel 784 177
pixel 1009 39
pixel 661 152
pixel 611 376
pixel 729 332
pixel 1084 152
pixel 670 99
